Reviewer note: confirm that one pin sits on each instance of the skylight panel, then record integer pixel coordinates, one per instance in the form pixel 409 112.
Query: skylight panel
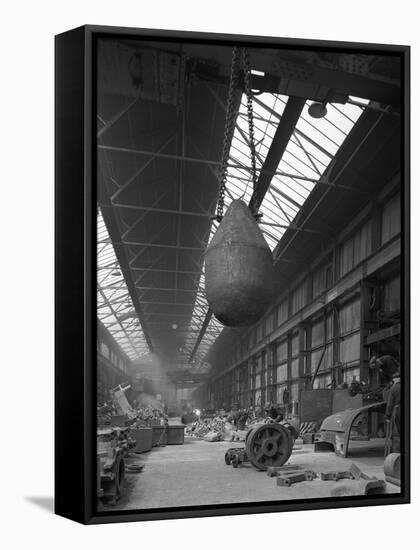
pixel 308 154
pixel 115 309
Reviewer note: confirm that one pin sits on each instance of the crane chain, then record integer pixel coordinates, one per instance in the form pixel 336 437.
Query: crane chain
pixel 237 61
pixel 229 125
pixel 251 140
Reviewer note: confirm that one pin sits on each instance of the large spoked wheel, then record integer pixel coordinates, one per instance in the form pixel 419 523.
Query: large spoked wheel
pixel 269 445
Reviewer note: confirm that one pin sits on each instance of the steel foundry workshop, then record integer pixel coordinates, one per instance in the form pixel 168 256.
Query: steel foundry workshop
pixel 248 274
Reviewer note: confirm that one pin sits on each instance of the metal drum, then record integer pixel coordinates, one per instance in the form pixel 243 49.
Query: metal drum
pixel 392 465
pixel 238 269
pixel 269 445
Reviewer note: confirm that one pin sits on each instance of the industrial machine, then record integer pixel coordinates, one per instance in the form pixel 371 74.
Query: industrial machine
pixel 113 445
pixel 266 445
pixel 336 430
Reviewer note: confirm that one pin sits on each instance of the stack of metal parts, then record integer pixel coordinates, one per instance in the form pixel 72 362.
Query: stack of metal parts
pixel 354 481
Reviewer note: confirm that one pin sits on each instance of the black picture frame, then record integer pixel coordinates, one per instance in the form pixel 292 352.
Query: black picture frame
pixel 75 297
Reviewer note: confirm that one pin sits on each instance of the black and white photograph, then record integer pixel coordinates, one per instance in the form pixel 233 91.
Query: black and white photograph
pixel 209 278
pixel 251 281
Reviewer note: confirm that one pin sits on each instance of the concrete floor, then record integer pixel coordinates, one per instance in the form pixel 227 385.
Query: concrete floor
pixel 195 474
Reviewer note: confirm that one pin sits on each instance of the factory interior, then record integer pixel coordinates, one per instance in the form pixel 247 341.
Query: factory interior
pixel 249 341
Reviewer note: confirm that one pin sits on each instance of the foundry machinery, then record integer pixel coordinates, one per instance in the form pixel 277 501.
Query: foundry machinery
pixel 266 445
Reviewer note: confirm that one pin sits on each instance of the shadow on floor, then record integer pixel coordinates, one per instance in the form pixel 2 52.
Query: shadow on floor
pixel 46 503
pixel 365 451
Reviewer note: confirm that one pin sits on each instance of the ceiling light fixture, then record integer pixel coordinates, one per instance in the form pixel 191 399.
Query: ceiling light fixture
pixel 116 272
pixel 317 109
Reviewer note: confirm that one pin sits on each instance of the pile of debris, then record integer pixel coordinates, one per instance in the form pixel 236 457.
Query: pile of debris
pixel 215 429
pixel 224 428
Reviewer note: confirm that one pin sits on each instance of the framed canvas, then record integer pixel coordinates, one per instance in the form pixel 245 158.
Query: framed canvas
pixel 232 274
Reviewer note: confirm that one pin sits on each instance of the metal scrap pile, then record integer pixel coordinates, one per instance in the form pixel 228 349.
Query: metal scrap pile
pixel 226 427
pixel 214 429
pixel 150 416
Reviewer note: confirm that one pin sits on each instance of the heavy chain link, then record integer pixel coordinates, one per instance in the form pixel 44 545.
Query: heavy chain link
pixel 229 126
pixel 251 140
pixel 237 61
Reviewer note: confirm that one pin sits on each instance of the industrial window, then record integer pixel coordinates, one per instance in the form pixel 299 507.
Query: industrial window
pixel 282 372
pixel 350 349
pixel 104 350
pixel 356 248
pixel 327 358
pixel 320 339
pixel 281 351
pixel 294 368
pixel 392 295
pixel 318 332
pixel 294 391
pixel 258 372
pixel 281 388
pixel 299 297
pixel 268 322
pixel 391 219
pixel 349 322
pixel 349 317
pixel 295 344
pixel 259 332
pixel 282 311
pixel 252 338
pixel 321 279
pixel 257 397
pixel 269 375
pixel 263 327
pixel 252 372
